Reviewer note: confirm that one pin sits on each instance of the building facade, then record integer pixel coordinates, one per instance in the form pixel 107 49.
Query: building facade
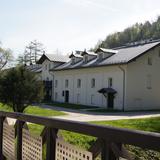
pixel 47 62
pixel 125 78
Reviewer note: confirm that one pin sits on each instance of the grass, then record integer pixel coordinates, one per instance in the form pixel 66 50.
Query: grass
pixel 146 124
pixel 34 110
pixel 70 105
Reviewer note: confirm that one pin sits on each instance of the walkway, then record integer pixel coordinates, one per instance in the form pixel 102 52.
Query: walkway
pixel 84 116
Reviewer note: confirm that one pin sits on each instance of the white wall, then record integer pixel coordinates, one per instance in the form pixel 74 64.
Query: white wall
pixel 101 75
pixel 138 97
pixel 45 71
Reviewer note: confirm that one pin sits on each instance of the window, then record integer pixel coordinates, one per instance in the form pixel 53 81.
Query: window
pixel 92 99
pixel 56 96
pixel 66 83
pixel 78 83
pixel 110 82
pixel 46 66
pixel 100 56
pixel 56 83
pixel 73 60
pixel 85 58
pixel 49 66
pixel 149 61
pixel 149 82
pixel 93 83
pixel 78 98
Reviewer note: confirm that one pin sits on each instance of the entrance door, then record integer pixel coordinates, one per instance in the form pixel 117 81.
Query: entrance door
pixel 110 100
pixel 66 96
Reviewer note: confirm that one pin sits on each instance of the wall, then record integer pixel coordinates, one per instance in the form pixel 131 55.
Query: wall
pixel 138 96
pixel 101 75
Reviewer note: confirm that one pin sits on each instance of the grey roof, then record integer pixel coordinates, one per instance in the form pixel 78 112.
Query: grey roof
pixel 122 56
pixel 35 68
pixel 57 57
pixel 108 50
pixel 76 55
pixel 53 58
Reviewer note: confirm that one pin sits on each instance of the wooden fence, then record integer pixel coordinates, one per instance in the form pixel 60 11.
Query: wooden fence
pixel 17 143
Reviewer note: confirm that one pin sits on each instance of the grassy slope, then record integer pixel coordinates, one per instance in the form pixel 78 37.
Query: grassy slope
pixel 35 110
pixel 70 106
pixel 147 124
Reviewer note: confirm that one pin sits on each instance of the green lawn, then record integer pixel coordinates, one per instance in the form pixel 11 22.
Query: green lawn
pixel 146 124
pixel 70 105
pixel 34 110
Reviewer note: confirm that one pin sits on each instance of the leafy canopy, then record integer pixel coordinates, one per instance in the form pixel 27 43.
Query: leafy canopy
pixel 19 88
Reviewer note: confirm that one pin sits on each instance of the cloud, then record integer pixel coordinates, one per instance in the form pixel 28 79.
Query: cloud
pixel 92 4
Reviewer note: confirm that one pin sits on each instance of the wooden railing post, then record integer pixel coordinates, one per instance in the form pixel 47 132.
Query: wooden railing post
pixel 107 153
pixel 1 137
pixel 51 143
pixel 19 139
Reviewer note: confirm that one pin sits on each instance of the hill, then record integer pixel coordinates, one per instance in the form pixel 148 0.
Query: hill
pixel 137 32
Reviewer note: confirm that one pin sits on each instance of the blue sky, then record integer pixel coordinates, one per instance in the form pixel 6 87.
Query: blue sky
pixel 68 25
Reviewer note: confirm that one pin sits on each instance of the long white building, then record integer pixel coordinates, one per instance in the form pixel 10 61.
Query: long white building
pixel 125 78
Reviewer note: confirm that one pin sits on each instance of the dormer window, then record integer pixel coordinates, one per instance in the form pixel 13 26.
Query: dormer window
pixel 100 56
pixel 73 60
pixel 149 61
pixel 85 58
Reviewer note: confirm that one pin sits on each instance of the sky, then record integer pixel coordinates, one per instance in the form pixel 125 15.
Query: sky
pixel 68 25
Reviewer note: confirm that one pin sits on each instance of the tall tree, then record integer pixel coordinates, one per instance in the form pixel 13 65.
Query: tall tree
pixel 32 53
pixel 19 88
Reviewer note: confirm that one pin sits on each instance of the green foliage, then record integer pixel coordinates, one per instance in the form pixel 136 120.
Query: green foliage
pixel 134 33
pixel 19 88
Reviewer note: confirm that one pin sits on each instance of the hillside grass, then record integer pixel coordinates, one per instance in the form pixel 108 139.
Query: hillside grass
pixel 34 110
pixel 70 105
pixel 83 141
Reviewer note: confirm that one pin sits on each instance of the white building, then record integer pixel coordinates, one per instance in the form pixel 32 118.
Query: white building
pixel 125 78
pixel 47 62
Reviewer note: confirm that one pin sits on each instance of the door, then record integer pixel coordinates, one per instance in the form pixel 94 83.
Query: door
pixel 66 96
pixel 110 100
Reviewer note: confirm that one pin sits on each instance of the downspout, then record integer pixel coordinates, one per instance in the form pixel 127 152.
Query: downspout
pixel 124 79
pixel 52 85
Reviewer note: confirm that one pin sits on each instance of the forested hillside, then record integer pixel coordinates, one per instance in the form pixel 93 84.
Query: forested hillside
pixel 134 33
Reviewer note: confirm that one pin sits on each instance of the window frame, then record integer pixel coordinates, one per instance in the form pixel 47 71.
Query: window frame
pixel 66 83
pixel 110 82
pixel 56 83
pixel 79 83
pixel 93 83
pixel 149 61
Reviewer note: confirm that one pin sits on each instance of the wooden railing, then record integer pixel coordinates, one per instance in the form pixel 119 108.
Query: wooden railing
pixel 109 143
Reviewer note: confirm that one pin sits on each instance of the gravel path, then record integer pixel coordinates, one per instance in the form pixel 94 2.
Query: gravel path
pixel 84 116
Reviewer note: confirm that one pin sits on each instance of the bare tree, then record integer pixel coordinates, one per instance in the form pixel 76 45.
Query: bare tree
pixel 5 57
pixel 32 53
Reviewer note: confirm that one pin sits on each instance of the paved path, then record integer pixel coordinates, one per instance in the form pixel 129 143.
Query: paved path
pixel 84 116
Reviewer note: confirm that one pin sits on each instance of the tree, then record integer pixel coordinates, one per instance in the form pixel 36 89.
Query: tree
pixel 32 53
pixel 5 57
pixel 19 88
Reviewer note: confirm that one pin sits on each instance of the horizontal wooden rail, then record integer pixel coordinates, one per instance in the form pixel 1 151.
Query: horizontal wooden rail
pixel 118 135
